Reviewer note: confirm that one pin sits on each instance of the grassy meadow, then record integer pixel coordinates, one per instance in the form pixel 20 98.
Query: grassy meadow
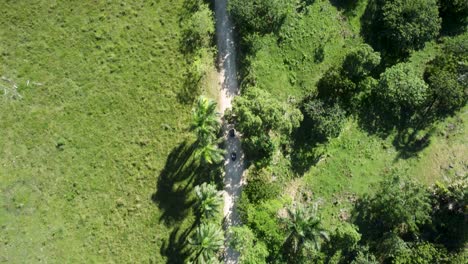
pixel 82 151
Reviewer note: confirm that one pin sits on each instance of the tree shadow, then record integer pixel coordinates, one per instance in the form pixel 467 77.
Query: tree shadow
pixel 408 142
pixel 170 196
pixel 305 153
pixel 175 248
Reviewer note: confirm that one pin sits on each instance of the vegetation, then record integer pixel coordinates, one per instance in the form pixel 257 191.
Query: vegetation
pixel 206 243
pixel 380 85
pixel 304 233
pixel 352 117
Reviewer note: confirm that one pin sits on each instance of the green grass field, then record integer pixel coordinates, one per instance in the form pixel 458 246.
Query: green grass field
pixel 82 151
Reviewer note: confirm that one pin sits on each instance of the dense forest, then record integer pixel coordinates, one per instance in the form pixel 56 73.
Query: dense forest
pixel 352 116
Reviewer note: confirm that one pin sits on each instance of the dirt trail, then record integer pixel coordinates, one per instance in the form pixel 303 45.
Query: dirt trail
pixel 229 89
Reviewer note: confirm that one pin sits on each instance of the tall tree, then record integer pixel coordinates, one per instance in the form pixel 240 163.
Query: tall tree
pixel 205 121
pixel 304 231
pixel 205 243
pixel 209 200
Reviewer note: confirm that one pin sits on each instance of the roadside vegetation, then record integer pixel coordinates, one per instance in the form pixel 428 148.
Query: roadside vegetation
pixel 353 115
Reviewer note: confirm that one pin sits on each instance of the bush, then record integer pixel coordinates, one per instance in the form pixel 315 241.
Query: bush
pixel 447 76
pixel 262 16
pixel 399 206
pixel 259 148
pixel 327 120
pixel 334 86
pixel 402 91
pixel 260 186
pixel 252 251
pixel 199 29
pixel 360 62
pixel 449 214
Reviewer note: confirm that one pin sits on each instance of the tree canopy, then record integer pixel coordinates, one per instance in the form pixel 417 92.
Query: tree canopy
pixel 399 26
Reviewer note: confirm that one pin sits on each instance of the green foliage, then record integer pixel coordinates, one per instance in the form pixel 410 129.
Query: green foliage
pixel 209 200
pixel 454 10
pixel 260 186
pixel 257 114
pixel 447 78
pixel 345 238
pixel 263 221
pixel 364 257
pixel 422 253
pixel 209 153
pixel 205 243
pixel 335 87
pixel 252 251
pixel 260 148
pixel 205 122
pixel 402 90
pixel 304 232
pixel 399 206
pixel 360 62
pixel 199 28
pixel 449 214
pixel 261 16
pixel 327 121
pixel 400 26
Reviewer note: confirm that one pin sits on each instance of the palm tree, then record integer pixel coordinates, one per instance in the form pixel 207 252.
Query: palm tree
pixel 206 242
pixel 304 229
pixel 208 200
pixel 209 153
pixel 205 122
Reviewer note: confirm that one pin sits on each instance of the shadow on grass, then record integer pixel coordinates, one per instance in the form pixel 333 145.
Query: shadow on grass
pixel 176 247
pixel 171 196
pixel 305 153
pixel 410 138
pixel 409 142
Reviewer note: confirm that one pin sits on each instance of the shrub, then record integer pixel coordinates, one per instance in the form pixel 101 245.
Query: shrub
pixel 327 121
pixel 262 16
pixel 447 76
pixel 402 91
pixel 360 62
pixel 260 186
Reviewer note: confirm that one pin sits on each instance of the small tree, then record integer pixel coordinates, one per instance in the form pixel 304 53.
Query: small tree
pixel 402 90
pixel 447 76
pixel 360 62
pixel 206 243
pixel 209 200
pixel 327 120
pixel 399 206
